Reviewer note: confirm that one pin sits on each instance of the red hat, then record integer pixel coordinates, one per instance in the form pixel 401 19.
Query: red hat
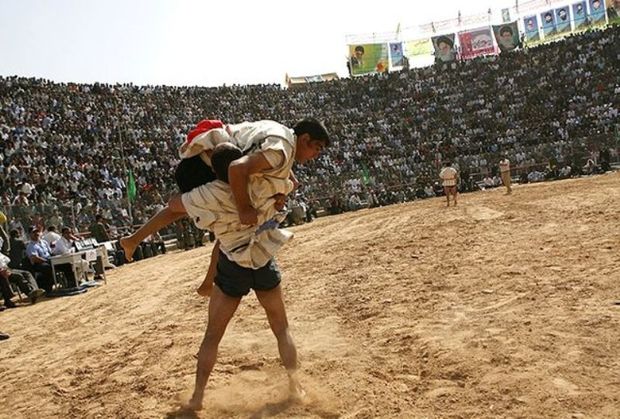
pixel 204 126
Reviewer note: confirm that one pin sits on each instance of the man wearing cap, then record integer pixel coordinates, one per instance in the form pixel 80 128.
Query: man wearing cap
pixel 38 252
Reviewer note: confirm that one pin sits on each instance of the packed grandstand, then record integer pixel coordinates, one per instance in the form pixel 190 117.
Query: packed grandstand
pixel 552 110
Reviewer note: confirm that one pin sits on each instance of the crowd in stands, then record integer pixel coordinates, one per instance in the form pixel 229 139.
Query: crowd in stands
pixel 65 148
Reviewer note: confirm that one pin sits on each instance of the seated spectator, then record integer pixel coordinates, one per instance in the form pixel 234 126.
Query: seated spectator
pixel 590 167
pixel 429 191
pixel 99 229
pixel 355 202
pixel 17 253
pixel 66 245
pixel 5 290
pixel 157 244
pixel 565 172
pixel 39 254
pixel 51 236
pixel 488 182
pixel 22 279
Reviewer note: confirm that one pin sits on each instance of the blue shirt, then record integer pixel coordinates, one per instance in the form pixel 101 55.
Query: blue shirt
pixel 40 249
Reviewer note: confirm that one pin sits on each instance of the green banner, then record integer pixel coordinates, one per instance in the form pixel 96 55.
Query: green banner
pixel 368 58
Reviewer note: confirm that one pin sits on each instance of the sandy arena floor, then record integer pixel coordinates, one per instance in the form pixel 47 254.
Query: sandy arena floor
pixel 503 307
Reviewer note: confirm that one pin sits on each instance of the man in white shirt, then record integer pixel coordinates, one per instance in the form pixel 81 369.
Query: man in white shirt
pixel 504 168
pixel 51 237
pixel 65 245
pixel 449 178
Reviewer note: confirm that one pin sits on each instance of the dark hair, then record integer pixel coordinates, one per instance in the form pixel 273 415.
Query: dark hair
pixel 223 155
pixel 51 228
pixel 14 233
pixel 549 14
pixel 193 172
pixel 65 230
pixel 359 48
pixel 505 29
pixel 314 128
pixel 447 163
pixel 445 40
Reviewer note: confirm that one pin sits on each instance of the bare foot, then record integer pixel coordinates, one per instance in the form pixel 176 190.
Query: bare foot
pixel 128 248
pixel 205 288
pixel 296 391
pixel 193 404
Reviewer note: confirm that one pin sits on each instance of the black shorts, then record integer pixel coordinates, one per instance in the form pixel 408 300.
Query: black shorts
pixel 193 172
pixel 237 281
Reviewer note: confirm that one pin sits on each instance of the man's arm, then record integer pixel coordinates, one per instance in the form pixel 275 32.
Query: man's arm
pixel 293 179
pixel 36 260
pixel 238 177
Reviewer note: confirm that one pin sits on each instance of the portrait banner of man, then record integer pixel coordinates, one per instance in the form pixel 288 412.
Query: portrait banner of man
pixel 548 23
pixel 597 12
pixel 368 58
pixel 507 36
pixel 530 23
pixel 562 20
pixel 613 10
pixel 397 58
pixel 580 17
pixel 505 15
pixel 445 50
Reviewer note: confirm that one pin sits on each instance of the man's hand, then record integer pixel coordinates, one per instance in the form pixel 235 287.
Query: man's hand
pixel 248 216
pixel 280 201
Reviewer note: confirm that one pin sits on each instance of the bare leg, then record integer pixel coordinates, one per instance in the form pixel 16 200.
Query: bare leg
pixel 446 190
pixel 221 309
pixel 276 315
pixel 207 285
pixel 454 192
pixel 173 212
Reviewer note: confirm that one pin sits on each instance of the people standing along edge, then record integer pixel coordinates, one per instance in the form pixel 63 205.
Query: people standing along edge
pixel 504 168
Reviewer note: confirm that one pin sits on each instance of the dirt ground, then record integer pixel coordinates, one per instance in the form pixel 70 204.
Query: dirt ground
pixel 503 307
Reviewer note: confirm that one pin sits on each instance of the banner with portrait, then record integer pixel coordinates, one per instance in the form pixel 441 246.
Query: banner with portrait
pixel 562 20
pixel 597 12
pixel 613 9
pixel 580 16
pixel 507 36
pixel 505 15
pixel 445 50
pixel 476 42
pixel 530 23
pixel 397 57
pixel 548 23
pixel 368 58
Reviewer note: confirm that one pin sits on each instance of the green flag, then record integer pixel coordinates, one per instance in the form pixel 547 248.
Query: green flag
pixel 131 187
pixel 365 174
